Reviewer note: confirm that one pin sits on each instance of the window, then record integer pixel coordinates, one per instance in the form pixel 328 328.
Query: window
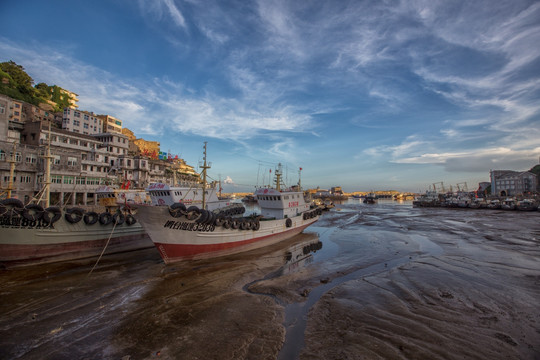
pixel 31 159
pixel 77 114
pixel 85 117
pixel 2 155
pixel 56 179
pixel 18 156
pixel 80 180
pixel 76 123
pixel 6 179
pixel 56 159
pixel 26 179
pixel 72 160
pixel 68 179
pixel 85 125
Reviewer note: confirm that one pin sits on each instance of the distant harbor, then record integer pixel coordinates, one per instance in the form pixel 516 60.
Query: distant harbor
pixel 467 201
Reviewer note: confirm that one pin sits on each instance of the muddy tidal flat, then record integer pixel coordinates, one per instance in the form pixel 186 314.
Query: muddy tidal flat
pixel 381 281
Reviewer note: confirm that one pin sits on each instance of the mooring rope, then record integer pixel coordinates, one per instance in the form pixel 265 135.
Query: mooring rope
pixel 103 251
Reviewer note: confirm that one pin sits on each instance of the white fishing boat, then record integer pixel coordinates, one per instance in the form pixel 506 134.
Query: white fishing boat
pixel 180 232
pixel 40 233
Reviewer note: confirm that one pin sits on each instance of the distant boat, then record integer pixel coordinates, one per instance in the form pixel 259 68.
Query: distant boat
pixel 370 198
pixel 527 205
pixel 508 204
pixel 494 204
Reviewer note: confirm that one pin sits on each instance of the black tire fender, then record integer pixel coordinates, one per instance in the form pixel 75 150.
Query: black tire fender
pixel 192 212
pixel 57 214
pixel 118 218
pixel 105 218
pixel 32 212
pixel 74 215
pixel 12 206
pixel 130 220
pixel 91 217
pixel 220 220
pixel 177 210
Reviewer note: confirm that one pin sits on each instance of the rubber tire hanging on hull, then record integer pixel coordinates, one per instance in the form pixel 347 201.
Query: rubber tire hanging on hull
pixel 90 218
pixel 105 218
pixel 57 214
pixel 130 220
pixel 32 212
pixel 118 218
pixel 288 222
pixel 176 210
pixel 12 206
pixel 74 215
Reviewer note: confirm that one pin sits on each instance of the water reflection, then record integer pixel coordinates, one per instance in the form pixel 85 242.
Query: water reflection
pixel 300 255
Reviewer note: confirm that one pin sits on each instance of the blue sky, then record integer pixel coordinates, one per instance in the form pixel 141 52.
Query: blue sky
pixel 360 94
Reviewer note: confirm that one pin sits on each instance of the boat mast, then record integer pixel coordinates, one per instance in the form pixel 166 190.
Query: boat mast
pixel 11 171
pixel 300 179
pixel 205 166
pixel 278 177
pixel 48 157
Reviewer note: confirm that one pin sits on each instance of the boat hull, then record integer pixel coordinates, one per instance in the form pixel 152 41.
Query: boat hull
pixel 29 243
pixel 175 242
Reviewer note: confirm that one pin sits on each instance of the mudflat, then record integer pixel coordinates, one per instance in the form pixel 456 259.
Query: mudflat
pixel 366 282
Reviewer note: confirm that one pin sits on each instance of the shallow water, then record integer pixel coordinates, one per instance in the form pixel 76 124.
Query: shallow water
pixel 368 281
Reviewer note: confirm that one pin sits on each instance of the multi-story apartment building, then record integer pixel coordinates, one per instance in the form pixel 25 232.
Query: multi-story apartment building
pixel 84 157
pixel 82 122
pixel 110 124
pixel 11 119
pixel 512 183
pixel 25 158
pixel 73 99
pixel 79 165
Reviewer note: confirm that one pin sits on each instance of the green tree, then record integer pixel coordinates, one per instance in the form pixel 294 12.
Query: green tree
pixel 17 73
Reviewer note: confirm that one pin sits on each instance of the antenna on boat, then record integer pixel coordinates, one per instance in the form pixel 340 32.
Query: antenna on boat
pixel 300 179
pixel 205 166
pixel 278 177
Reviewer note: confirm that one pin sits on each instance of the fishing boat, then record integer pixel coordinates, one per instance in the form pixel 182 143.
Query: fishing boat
pixel 494 204
pixel 370 198
pixel 508 204
pixel 527 205
pixel 182 233
pixel 37 232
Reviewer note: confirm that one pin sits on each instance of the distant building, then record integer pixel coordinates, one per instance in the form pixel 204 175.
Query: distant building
pixel 72 98
pixel 81 122
pixel 482 187
pixel 511 183
pixel 111 124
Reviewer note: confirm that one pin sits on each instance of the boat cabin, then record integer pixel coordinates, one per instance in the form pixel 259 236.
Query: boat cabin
pixel 163 194
pixel 108 196
pixel 280 205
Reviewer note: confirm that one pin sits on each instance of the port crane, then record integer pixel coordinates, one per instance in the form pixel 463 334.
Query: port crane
pixel 441 187
pixel 464 188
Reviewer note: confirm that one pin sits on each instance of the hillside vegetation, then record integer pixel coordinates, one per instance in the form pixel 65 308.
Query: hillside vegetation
pixel 17 84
